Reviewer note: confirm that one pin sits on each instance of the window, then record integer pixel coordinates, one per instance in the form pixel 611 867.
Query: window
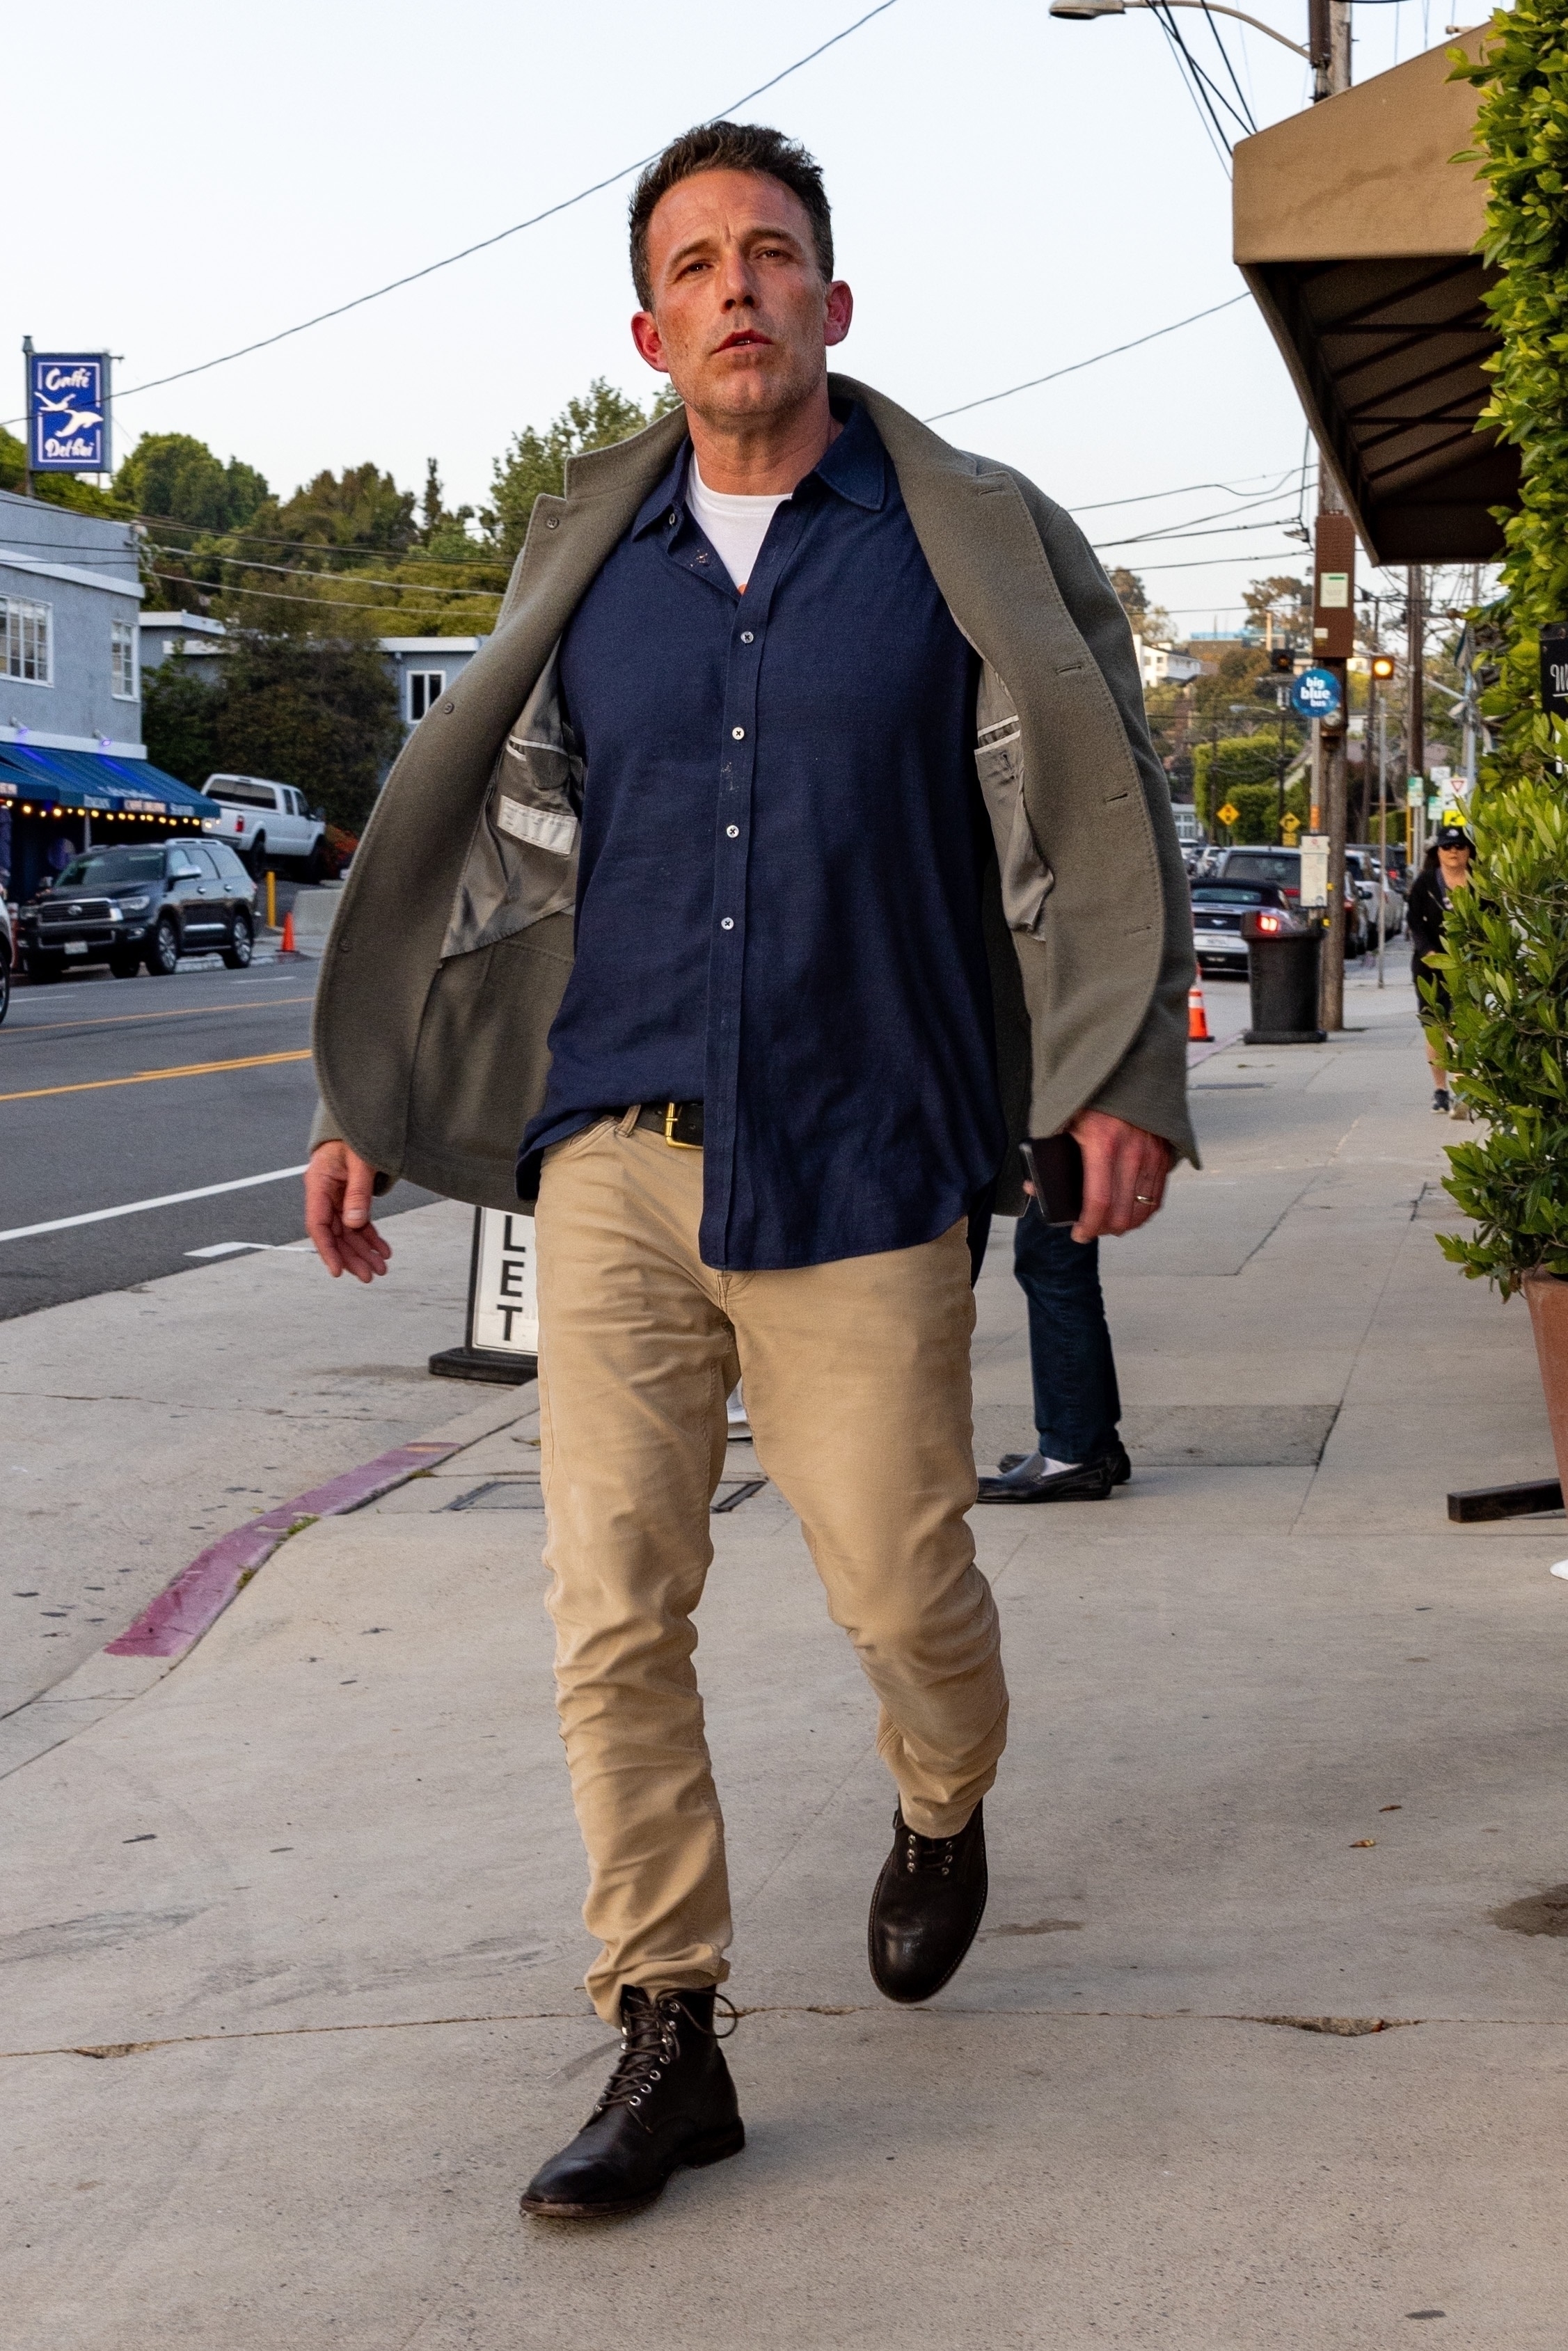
pixel 239 791
pixel 24 633
pixel 122 661
pixel 425 688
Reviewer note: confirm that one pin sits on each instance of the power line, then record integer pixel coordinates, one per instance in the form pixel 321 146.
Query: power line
pixel 484 243
pixel 1183 490
pixel 313 572
pixel 1115 352
pixel 1167 538
pixel 278 596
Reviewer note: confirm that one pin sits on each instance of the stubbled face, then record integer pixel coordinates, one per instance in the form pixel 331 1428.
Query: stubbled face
pixel 741 318
pixel 1455 865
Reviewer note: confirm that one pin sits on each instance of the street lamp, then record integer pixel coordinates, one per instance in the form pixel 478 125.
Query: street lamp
pixel 1084 12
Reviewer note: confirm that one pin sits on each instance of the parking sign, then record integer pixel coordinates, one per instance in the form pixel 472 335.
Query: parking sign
pixel 68 412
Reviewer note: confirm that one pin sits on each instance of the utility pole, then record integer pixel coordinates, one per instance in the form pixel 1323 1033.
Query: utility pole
pixel 1328 42
pixel 1415 701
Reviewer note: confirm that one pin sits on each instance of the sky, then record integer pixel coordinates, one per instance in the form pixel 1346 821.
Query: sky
pixel 1012 194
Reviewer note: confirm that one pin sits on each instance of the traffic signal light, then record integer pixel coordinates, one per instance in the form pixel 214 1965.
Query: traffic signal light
pixel 1282 659
pixel 1382 665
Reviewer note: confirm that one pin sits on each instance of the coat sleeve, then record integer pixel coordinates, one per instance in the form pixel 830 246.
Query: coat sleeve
pixel 1148 1086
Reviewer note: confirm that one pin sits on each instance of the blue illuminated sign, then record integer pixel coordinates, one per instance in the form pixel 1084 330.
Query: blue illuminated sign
pixel 1316 694
pixel 67 412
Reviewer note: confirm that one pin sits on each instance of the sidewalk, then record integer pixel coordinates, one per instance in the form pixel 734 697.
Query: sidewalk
pixel 292 1947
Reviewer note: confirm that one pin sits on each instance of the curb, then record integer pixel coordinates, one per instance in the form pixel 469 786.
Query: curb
pixel 186 1608
pixel 170 1625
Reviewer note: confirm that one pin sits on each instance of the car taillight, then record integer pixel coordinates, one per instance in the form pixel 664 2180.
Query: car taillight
pixel 1269 923
pixel 239 824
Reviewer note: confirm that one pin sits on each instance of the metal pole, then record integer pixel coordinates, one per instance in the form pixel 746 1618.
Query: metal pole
pixel 1415 701
pixel 28 413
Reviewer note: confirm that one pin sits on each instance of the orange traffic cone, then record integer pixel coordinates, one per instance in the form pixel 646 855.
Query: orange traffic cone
pixel 1198 1029
pixel 289 947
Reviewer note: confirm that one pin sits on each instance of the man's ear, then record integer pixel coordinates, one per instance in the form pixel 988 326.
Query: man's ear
pixel 839 310
pixel 649 341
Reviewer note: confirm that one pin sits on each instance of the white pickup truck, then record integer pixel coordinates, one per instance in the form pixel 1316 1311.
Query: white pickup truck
pixel 266 823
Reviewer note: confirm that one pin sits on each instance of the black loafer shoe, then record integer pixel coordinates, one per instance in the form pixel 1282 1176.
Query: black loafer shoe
pixel 1121 1472
pixel 927 1909
pixel 1029 1481
pixel 669 2102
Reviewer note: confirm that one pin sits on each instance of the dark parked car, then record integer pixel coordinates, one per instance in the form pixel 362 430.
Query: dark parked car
pixel 128 906
pixel 1284 868
pixel 1216 911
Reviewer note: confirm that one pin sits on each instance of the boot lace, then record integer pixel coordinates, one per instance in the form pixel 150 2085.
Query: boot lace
pixel 924 1856
pixel 651 2041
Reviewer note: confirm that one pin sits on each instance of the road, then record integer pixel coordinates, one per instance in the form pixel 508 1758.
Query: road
pixel 117 1093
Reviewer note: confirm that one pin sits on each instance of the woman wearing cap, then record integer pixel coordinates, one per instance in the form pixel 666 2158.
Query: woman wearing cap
pixel 1447 868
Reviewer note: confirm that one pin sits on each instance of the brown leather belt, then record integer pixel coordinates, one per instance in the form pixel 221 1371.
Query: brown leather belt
pixel 680 1123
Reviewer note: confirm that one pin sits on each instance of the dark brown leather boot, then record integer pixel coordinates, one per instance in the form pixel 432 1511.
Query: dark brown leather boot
pixel 670 2102
pixel 927 1909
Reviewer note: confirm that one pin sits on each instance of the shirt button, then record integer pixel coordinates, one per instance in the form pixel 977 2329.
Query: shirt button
pixel 733 832
pixel 746 636
pixel 727 924
pixel 738 733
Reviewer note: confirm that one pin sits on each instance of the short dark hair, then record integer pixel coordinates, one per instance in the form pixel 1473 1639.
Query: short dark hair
pixel 730 147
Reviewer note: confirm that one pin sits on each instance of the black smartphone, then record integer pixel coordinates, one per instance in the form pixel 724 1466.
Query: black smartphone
pixel 1055 1165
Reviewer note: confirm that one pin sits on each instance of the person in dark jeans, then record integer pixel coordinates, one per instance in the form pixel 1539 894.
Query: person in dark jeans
pixel 1078 1455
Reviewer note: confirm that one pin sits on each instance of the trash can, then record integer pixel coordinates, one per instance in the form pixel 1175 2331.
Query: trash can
pixel 1284 951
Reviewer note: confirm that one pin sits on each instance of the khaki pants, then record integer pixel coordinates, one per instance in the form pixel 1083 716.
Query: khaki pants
pixel 857 1387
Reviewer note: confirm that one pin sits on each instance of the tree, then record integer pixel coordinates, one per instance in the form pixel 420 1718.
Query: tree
pixel 534 463
pixel 319 712
pixel 173 477
pixel 55 489
pixel 179 721
pixel 1150 622
pixel 346 515
pixel 1278 606
pixel 1243 771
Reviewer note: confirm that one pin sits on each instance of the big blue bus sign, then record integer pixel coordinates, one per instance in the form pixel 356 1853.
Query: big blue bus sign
pixel 1316 694
pixel 68 412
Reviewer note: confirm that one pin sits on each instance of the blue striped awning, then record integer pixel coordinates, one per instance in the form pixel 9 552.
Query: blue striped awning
pixel 96 781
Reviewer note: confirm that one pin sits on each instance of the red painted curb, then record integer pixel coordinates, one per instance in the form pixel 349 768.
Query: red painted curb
pixel 184 1609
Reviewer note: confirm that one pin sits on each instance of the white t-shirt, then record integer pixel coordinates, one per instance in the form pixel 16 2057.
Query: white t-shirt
pixel 737 525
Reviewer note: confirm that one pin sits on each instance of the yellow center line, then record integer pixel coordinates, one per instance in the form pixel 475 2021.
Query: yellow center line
pixel 180 1012
pixel 151 1077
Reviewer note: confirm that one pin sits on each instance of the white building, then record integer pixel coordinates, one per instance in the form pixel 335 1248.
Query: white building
pixel 1164 665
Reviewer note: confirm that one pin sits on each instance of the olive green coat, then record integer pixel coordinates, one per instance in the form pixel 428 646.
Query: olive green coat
pixel 454 939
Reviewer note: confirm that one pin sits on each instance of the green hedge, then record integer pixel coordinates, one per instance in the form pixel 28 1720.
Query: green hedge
pixel 1506 939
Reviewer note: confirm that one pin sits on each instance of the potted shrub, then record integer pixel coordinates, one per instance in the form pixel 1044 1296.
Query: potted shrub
pixel 1507 934
pixel 1506 964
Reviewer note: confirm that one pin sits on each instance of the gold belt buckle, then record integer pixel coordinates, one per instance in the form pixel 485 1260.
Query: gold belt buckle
pixel 671 1137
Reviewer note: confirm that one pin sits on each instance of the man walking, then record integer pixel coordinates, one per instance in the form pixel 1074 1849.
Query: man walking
pixel 792 850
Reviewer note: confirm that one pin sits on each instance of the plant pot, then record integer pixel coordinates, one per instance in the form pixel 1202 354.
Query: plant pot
pixel 1548 1300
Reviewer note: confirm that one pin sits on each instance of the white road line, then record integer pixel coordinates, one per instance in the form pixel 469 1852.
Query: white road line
pixel 136 1207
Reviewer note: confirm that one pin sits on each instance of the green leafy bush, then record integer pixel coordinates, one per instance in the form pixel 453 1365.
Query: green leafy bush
pixel 1522 151
pixel 1505 960
pixel 1506 938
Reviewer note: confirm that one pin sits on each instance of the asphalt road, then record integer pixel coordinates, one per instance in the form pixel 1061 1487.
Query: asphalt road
pixel 114 1092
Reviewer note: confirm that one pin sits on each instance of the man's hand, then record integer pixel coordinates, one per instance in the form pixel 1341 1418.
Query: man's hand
pixel 1124 1171
pixel 339 1189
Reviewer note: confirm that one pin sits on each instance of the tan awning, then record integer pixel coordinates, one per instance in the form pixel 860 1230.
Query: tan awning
pixel 1356 232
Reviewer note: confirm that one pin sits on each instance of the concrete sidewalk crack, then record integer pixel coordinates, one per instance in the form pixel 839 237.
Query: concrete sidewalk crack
pixel 1332 2027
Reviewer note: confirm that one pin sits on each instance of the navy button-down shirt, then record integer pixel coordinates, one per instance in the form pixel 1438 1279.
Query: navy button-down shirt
pixel 779 888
